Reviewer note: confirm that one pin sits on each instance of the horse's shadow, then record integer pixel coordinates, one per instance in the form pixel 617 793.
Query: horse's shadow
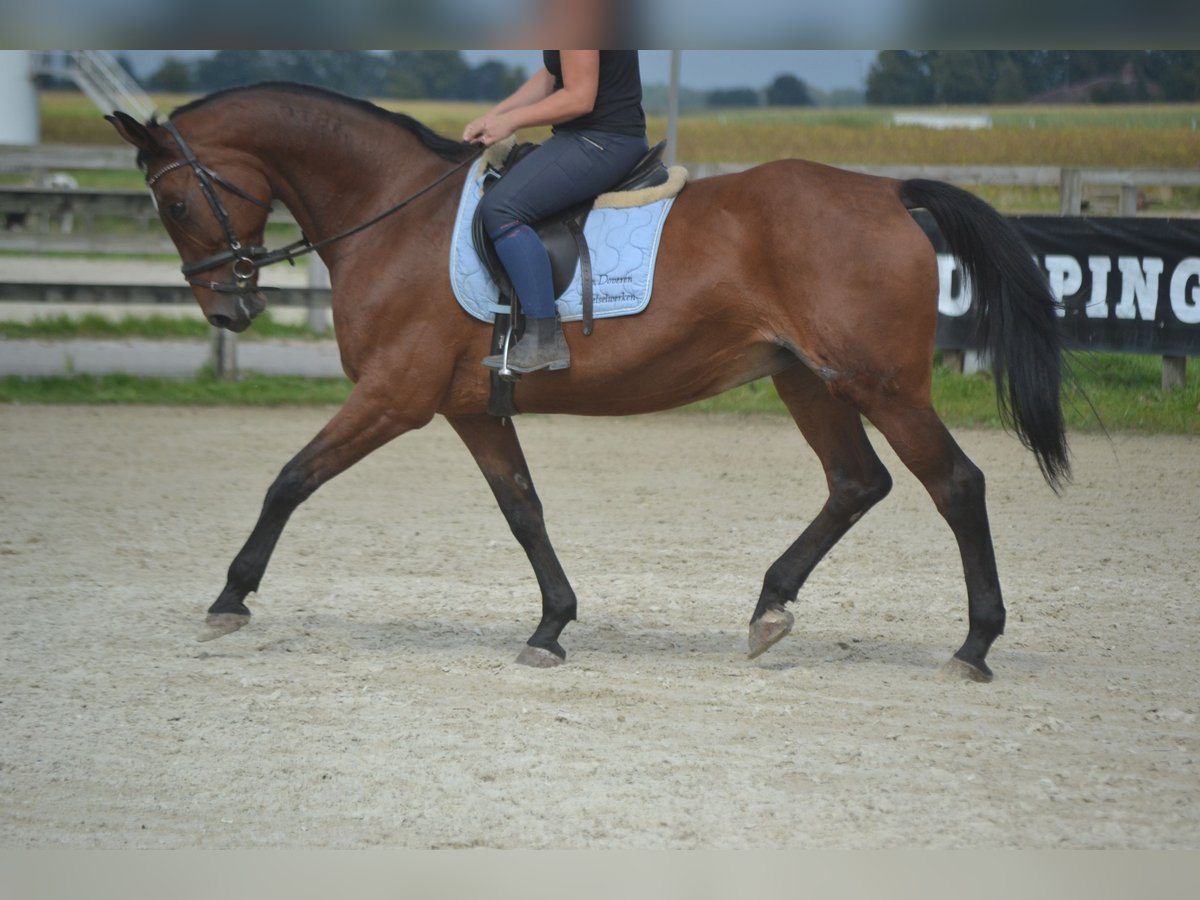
pixel 595 641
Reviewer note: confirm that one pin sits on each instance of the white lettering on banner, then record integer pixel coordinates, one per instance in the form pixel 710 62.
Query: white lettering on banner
pixel 1065 276
pixel 1097 307
pixel 1185 304
pixel 1140 278
pixel 950 303
pixel 1139 287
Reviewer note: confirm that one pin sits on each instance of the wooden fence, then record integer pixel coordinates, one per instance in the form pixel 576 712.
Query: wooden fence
pixel 56 219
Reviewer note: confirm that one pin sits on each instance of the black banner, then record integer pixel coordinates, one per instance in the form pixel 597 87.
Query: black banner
pixel 1126 285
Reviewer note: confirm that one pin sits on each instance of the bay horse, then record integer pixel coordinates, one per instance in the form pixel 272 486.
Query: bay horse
pixel 817 277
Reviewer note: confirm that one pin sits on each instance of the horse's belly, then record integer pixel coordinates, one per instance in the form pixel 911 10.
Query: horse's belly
pixel 661 383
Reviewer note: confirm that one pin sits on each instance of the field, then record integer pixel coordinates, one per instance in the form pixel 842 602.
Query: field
pixel 1148 136
pixel 1117 136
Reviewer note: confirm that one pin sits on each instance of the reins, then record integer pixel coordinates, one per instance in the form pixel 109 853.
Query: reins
pixel 308 246
pixel 248 260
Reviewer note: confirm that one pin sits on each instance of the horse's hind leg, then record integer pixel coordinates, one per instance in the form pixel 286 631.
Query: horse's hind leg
pixel 957 488
pixel 493 442
pixel 857 481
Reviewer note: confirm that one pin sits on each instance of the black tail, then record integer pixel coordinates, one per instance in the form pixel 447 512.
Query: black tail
pixel 1017 320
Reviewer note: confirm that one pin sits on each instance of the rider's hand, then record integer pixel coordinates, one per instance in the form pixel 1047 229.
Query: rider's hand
pixel 489 129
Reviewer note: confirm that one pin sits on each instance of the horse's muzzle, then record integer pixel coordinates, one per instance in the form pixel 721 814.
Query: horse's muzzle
pixel 238 315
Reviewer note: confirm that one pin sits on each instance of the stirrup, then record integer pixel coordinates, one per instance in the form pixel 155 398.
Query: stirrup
pixel 499 361
pixel 542 346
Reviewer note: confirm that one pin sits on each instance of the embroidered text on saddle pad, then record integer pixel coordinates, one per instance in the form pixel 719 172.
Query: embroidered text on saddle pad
pixel 622 243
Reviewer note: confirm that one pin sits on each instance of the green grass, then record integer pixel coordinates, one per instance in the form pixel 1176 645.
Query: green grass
pixel 1124 391
pixel 92 179
pixel 50 255
pixel 151 327
pixel 250 390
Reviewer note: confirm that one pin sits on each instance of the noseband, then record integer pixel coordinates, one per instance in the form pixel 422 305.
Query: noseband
pixel 247 261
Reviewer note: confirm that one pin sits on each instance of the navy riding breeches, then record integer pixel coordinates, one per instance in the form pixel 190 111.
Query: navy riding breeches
pixel 569 168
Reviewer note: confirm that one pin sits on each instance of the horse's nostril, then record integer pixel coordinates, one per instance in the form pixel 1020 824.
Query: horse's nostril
pixel 218 321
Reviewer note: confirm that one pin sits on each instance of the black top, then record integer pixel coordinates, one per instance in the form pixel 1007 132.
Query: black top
pixel 618 94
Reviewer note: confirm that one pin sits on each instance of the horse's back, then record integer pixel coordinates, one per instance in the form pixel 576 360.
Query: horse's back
pixel 828 238
pixel 789 262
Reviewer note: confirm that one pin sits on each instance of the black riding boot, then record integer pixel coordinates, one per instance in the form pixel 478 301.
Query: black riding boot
pixel 542 346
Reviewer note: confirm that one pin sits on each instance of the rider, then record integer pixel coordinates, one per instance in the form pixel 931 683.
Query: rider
pixel 593 98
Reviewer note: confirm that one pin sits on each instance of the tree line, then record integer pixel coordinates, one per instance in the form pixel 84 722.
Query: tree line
pixel 904 77
pixel 402 74
pixel 896 77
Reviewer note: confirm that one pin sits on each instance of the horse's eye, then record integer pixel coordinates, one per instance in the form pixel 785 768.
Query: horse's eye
pixel 177 209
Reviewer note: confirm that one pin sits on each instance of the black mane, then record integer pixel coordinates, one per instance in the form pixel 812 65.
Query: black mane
pixel 454 151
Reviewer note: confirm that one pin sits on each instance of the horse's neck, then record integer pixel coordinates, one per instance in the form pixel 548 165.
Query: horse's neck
pixel 330 172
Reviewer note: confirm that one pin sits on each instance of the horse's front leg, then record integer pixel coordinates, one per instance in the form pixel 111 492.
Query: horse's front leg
pixel 493 442
pixel 367 421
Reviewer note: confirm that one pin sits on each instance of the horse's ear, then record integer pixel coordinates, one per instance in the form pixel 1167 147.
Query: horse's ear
pixel 133 131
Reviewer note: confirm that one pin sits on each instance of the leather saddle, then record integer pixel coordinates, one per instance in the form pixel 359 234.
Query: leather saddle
pixel 562 233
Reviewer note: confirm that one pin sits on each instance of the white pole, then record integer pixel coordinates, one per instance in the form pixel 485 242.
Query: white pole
pixel 673 108
pixel 19 121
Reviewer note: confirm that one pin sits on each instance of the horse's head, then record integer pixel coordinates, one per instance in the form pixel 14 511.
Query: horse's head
pixel 213 213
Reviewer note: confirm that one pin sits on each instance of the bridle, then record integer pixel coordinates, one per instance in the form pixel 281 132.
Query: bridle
pixel 246 261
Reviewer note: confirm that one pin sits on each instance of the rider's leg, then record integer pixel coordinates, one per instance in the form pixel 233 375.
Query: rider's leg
pixel 565 170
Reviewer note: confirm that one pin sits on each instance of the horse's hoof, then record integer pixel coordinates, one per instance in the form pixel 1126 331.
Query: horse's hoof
pixel 958 670
pixel 773 626
pixel 538 657
pixel 219 624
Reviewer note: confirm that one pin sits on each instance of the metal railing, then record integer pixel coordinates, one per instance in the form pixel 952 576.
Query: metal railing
pixel 100 77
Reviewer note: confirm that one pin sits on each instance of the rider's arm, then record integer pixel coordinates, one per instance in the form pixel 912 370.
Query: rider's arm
pixel 581 77
pixel 538 86
pixel 529 106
